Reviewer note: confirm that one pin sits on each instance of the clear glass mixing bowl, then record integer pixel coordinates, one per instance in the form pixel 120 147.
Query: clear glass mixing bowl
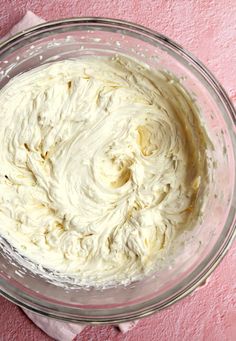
pixel 202 248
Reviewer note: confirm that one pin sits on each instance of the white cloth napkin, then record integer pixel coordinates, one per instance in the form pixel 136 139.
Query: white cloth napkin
pixel 29 20
pixel 63 331
pixel 58 330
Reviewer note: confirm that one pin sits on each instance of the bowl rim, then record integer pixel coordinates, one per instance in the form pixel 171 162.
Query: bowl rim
pixel 25 300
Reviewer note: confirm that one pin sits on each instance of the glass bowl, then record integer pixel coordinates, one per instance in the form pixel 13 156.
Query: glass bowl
pixel 202 248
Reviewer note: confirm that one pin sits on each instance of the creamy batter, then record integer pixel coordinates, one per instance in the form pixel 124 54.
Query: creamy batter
pixel 100 167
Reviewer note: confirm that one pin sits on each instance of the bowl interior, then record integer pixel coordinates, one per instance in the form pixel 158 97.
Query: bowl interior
pixel 200 249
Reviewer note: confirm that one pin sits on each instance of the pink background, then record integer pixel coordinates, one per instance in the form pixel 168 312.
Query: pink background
pixel 207 29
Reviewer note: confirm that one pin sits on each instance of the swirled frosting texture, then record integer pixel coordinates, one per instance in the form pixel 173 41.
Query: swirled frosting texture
pixel 100 166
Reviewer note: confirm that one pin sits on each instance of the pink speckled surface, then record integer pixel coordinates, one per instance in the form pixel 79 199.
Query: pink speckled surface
pixel 208 29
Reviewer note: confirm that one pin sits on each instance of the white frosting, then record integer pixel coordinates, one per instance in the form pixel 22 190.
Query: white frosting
pixel 101 162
